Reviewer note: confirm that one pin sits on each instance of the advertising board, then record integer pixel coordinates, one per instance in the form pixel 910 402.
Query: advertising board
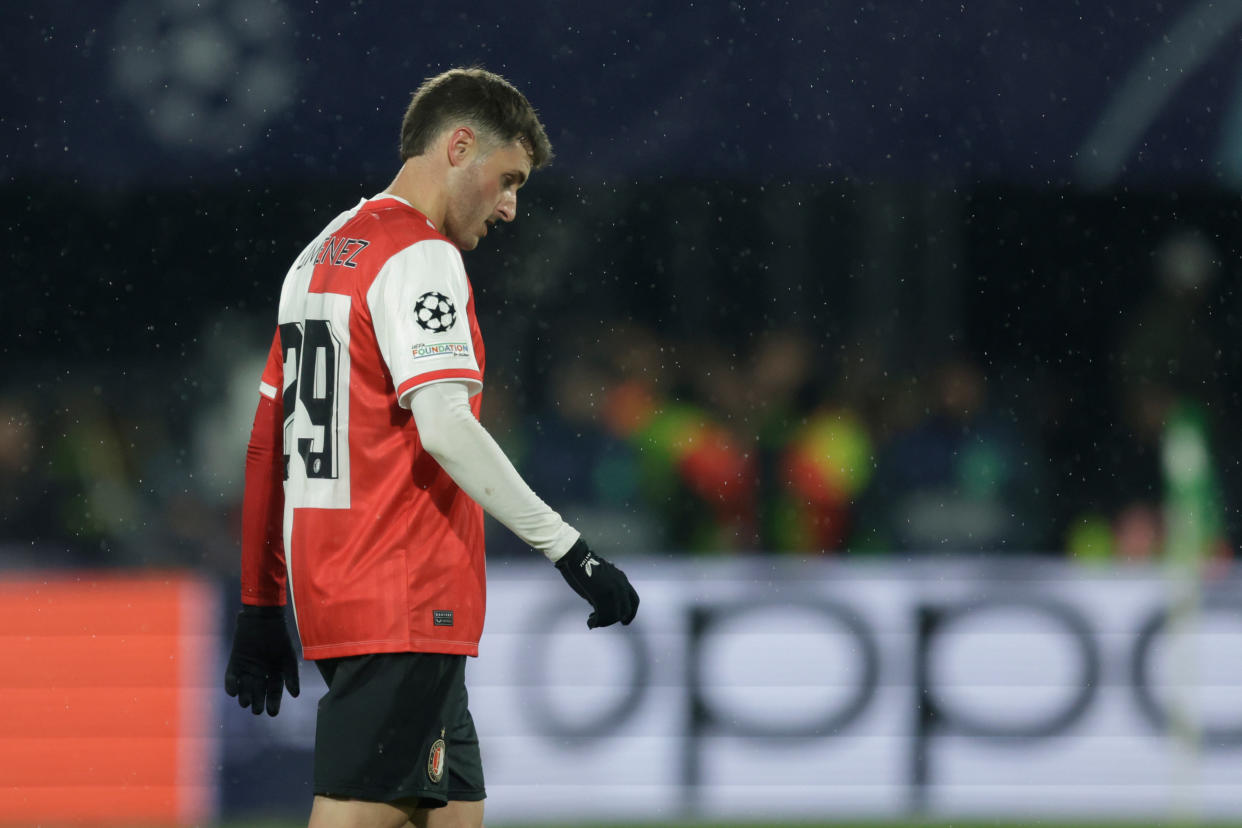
pixel 769 688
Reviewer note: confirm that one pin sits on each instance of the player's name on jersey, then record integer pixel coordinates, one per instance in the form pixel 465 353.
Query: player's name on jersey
pixel 441 349
pixel 335 251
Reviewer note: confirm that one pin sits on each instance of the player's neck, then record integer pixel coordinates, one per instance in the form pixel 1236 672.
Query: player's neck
pixel 423 188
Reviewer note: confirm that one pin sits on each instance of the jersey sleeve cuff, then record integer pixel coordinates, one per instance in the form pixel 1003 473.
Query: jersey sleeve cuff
pixel 565 538
pixel 264 597
pixel 268 390
pixel 472 378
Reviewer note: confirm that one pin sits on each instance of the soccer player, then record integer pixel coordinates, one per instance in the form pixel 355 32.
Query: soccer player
pixel 367 473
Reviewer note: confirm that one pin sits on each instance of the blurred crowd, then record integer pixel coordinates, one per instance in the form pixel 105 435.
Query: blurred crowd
pixel 647 443
pixel 780 442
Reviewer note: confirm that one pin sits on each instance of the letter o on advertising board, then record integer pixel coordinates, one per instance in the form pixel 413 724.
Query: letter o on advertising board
pixel 1061 615
pixel 533 675
pixel 705 623
pixel 1156 710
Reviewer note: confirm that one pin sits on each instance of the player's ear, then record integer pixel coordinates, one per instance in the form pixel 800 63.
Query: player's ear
pixel 461 144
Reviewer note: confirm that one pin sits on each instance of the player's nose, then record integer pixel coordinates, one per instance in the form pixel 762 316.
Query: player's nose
pixel 506 210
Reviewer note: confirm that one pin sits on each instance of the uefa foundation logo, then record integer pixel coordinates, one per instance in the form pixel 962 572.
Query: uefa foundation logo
pixel 206 75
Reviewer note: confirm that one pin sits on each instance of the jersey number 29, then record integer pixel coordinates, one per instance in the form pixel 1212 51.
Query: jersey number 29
pixel 312 358
pixel 315 347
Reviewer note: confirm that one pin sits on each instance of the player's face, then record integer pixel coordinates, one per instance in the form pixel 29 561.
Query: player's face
pixel 486 194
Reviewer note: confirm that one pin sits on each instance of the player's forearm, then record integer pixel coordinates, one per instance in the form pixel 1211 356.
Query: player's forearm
pixel 463 448
pixel 263 576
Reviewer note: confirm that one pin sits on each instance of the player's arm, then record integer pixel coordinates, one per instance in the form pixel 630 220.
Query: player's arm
pixel 464 449
pixel 262 658
pixel 419 305
pixel 263 575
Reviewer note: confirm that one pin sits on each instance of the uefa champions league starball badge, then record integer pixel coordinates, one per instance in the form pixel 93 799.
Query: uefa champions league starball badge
pixel 435 760
pixel 434 312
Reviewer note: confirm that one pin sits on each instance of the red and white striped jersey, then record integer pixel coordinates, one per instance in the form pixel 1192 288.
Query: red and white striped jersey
pixel 384 552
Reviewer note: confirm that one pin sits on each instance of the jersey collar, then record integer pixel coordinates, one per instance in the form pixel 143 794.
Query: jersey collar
pixel 375 202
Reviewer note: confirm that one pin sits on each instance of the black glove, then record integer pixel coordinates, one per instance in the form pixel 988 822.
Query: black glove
pixel 601 583
pixel 262 660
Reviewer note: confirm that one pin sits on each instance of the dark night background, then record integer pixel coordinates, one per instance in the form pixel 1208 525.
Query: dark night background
pixel 801 265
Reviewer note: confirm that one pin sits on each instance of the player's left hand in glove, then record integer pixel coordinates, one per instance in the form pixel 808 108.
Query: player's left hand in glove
pixel 601 583
pixel 262 660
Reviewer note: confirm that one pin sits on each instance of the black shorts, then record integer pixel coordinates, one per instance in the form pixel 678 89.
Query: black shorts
pixel 396 726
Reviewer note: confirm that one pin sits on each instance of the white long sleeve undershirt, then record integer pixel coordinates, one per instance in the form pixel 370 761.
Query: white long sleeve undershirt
pixel 464 449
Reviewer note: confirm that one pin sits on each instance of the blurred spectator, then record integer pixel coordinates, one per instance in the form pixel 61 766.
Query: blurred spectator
pixel 961 480
pixel 814 456
pixel 205 508
pixel 1168 345
pixel 1169 359
pixel 33 498
pixel 780 395
pixel 89 459
pixel 824 467
pixel 696 464
pixel 584 471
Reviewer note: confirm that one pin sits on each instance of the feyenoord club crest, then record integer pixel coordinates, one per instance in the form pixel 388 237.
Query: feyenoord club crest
pixel 435 761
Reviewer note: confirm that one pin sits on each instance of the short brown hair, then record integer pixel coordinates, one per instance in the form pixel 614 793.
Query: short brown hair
pixel 479 98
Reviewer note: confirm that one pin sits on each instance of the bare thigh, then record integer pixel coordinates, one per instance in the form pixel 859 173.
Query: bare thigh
pixel 456 814
pixel 330 812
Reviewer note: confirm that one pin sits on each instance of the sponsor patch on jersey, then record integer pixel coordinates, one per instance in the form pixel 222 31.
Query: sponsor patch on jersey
pixel 440 349
pixel 442 618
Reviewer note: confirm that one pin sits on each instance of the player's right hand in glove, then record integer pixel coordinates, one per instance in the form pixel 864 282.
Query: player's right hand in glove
pixel 262 660
pixel 602 584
